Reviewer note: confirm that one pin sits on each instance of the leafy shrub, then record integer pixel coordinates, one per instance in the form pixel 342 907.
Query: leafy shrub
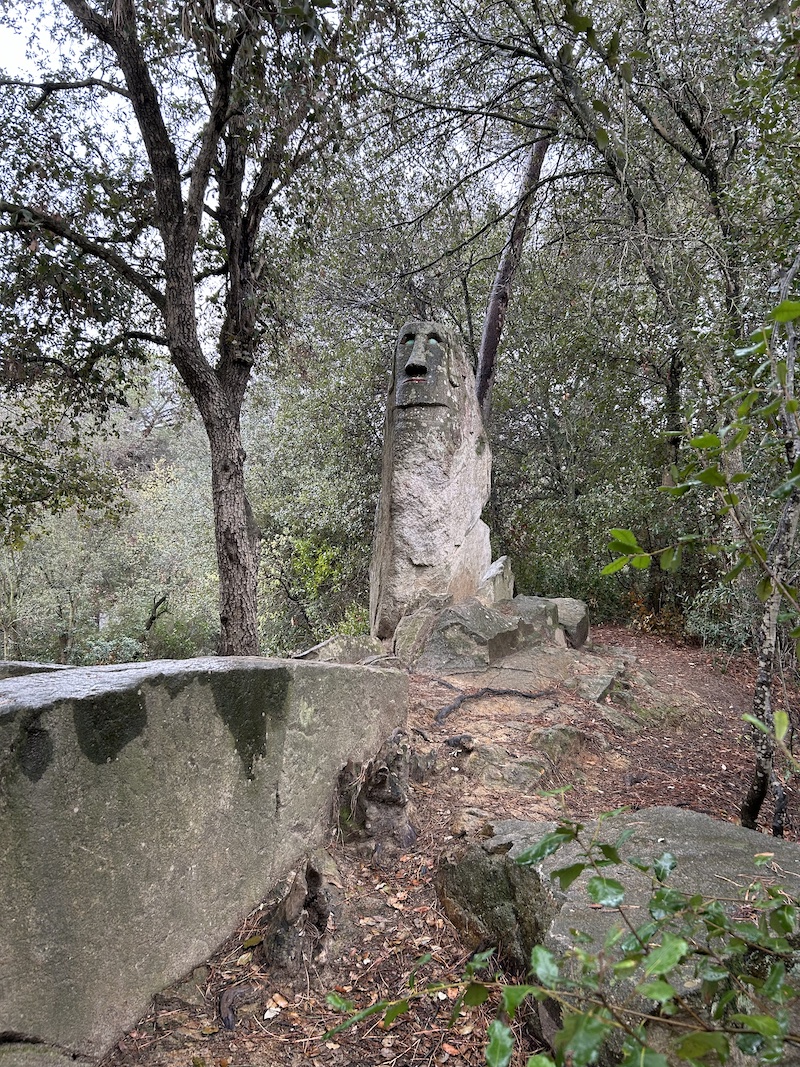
pixel 719 981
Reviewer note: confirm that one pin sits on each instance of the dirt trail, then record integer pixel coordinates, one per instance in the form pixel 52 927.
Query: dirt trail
pixel 668 732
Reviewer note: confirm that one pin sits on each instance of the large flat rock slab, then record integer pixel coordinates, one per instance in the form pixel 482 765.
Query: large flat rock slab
pixel 592 675
pixel 145 809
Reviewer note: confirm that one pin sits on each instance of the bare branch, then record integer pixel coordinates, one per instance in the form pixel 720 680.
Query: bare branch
pixel 49 87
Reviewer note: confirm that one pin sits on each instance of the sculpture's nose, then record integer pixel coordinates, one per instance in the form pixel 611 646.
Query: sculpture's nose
pixel 417 363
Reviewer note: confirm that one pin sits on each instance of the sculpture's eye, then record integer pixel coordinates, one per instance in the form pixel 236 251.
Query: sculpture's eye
pixel 408 340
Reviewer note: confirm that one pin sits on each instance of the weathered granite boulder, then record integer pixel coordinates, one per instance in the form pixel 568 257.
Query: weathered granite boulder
pixel 571 615
pixel 473 634
pixel 498 582
pixel 493 901
pixel 344 648
pixel 144 810
pixel 429 538
pixel 466 637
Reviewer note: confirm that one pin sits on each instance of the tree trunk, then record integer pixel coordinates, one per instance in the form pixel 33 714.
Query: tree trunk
pixel 778 558
pixel 777 566
pixel 506 270
pixel 762 710
pixel 237 542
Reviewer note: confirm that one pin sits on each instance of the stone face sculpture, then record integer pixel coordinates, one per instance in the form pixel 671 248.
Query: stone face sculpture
pixel 430 542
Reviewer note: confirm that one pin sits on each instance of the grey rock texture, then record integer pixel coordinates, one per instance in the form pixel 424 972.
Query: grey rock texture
pixel 145 809
pixel 429 538
pixel 573 615
pixel 498 582
pixel 494 901
pixel 344 648
pixel 10 668
pixel 474 635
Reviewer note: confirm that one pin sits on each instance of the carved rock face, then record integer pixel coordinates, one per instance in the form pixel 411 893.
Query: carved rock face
pixel 429 538
pixel 422 367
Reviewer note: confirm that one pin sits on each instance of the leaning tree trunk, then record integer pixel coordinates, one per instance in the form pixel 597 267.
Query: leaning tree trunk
pixel 777 567
pixel 778 559
pixel 506 270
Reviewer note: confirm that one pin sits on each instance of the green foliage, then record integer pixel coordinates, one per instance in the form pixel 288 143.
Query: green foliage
pixel 315 451
pixel 712 979
pixel 86 587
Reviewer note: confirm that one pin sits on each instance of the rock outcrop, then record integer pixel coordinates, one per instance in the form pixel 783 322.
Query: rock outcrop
pixel 473 634
pixel 492 900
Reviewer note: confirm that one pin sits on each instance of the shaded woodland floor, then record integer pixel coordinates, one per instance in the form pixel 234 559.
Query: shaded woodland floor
pixel 669 732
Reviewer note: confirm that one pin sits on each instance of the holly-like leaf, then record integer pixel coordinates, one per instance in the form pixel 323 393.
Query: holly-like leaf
pixel 475 993
pixel 513 995
pixel 664 866
pixel 567 875
pixel 668 955
pixel 543 965
pixel 697 1046
pixel 580 1038
pixel 549 844
pixel 606 891
pixel 500 1045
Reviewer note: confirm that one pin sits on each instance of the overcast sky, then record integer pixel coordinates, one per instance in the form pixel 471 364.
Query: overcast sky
pixel 12 51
